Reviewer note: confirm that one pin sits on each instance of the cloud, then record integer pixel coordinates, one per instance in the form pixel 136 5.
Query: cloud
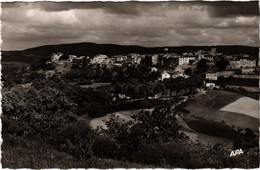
pixel 233 9
pixel 26 25
pixel 126 8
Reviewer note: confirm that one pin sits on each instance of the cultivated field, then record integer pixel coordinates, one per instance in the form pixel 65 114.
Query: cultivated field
pixel 243 105
pixel 123 115
pixel 213 128
pixel 208 106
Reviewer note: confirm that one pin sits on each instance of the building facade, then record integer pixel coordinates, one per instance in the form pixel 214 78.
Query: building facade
pixel 212 76
pixel 185 60
pixel 242 63
pixel 155 59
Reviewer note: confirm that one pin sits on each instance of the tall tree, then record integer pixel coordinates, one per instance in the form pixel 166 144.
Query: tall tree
pixel 222 63
pixel 202 66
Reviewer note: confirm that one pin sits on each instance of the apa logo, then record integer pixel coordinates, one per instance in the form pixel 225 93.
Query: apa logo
pixel 236 152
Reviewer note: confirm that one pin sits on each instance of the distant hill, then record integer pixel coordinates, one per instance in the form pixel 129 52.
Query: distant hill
pixel 91 49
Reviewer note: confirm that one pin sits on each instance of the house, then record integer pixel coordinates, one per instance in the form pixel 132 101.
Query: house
pixel 56 56
pixel 185 60
pixel 134 58
pixel 242 63
pixel 180 75
pixel 208 57
pixel 121 96
pixel 155 59
pixel 179 69
pixel 139 59
pixel 235 64
pixel 225 73
pixel 154 69
pixel 213 52
pixel 119 58
pixel 210 85
pixel 75 59
pixel 101 59
pixel 211 76
pixel 71 57
pixel 248 70
pixel 118 64
pixel 228 57
pixel 165 75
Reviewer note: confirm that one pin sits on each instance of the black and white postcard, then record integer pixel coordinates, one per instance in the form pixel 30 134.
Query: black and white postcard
pixel 133 84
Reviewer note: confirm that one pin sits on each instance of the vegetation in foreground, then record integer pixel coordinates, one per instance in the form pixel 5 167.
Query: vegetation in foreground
pixel 151 140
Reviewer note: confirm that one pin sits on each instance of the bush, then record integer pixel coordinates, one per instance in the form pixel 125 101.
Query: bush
pixel 105 147
pixel 41 106
pixel 157 125
pixel 76 139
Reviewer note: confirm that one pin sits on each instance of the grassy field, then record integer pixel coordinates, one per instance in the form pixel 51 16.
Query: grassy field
pixel 123 115
pixel 208 107
pixel 243 105
pixel 194 135
pixel 212 128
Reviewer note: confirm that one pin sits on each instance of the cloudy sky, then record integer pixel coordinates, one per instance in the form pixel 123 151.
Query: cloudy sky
pixel 149 24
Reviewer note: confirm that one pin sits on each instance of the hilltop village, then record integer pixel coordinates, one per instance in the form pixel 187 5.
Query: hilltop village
pixel 216 66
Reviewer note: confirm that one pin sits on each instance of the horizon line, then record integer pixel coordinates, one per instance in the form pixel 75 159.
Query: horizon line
pixel 128 45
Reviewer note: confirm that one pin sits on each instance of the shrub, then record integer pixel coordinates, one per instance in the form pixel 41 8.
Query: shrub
pixel 157 125
pixel 41 106
pixel 105 147
pixel 76 139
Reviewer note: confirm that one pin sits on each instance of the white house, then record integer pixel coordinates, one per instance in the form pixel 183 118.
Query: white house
pixel 118 64
pixel 180 75
pixel 56 56
pixel 213 52
pixel 72 57
pixel 210 85
pixel 154 69
pixel 248 70
pixel 119 58
pixel 78 59
pixel 242 63
pixel 155 59
pixel 208 57
pixel 165 75
pixel 211 76
pixel 101 59
pixel 225 73
pixel 134 58
pixel 139 59
pixel 185 60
